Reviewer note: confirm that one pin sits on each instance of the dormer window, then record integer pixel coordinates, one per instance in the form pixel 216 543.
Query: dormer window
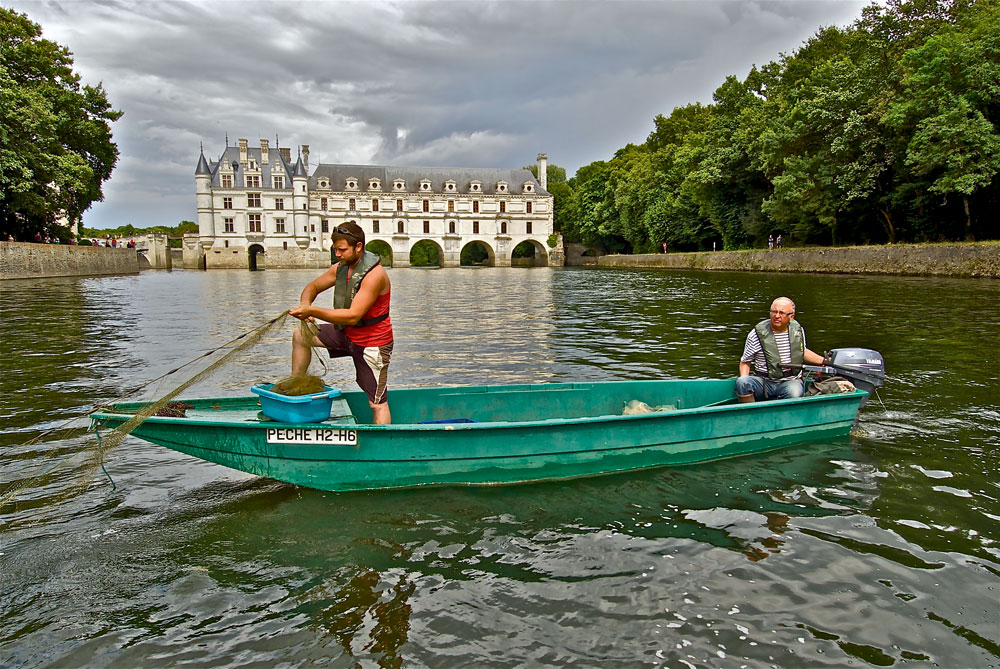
pixel 323 183
pixel 374 184
pixel 501 186
pixel 425 184
pixel 398 184
pixel 476 187
pixel 529 188
pixel 449 186
pixel 352 183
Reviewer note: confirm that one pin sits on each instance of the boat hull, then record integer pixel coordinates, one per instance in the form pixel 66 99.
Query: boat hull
pixel 704 425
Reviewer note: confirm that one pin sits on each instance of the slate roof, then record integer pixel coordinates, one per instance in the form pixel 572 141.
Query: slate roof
pixel 412 176
pixel 276 165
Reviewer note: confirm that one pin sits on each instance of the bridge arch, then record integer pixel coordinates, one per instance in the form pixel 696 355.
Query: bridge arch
pixel 426 253
pixel 383 250
pixel 477 253
pixel 529 253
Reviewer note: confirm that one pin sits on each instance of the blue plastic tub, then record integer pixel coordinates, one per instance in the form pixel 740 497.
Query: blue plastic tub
pixel 312 408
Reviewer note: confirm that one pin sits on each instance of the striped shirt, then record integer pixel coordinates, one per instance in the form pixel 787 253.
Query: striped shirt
pixel 754 354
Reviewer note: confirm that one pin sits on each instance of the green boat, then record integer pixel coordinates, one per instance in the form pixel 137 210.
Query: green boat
pixel 490 435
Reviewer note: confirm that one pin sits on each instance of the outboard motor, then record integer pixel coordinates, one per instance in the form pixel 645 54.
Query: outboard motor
pixel 864 367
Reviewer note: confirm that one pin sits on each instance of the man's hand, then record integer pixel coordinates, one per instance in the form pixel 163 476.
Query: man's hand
pixel 303 312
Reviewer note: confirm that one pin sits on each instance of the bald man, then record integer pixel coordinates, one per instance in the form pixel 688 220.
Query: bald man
pixel 770 346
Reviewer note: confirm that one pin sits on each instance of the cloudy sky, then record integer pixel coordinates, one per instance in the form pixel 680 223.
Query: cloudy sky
pixel 456 83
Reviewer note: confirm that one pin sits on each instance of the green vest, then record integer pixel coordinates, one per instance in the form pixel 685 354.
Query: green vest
pixel 345 289
pixel 770 347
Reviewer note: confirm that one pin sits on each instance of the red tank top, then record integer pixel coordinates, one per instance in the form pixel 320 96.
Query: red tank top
pixel 376 334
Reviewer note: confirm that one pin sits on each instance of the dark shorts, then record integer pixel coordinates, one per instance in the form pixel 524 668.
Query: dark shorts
pixel 370 362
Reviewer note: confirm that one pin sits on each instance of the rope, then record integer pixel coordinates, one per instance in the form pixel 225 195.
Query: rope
pixel 116 436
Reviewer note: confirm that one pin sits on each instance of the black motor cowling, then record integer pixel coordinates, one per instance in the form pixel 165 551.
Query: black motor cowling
pixel 863 366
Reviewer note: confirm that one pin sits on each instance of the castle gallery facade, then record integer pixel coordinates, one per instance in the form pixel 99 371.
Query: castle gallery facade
pixel 256 208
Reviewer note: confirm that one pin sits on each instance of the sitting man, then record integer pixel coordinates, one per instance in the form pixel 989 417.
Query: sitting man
pixel 358 325
pixel 777 341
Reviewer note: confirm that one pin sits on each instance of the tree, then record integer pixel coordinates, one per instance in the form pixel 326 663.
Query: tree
pixel 56 149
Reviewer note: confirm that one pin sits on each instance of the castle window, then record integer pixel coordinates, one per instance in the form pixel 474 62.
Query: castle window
pixel 528 188
pixel 475 227
pixel 323 183
pixel 229 226
pixel 279 225
pixel 451 227
pixel 399 205
pixel 451 205
pixel 351 204
pixel 284 245
pixel 352 184
pixel 227 180
pixel 374 184
pixel 227 203
pixel 253 181
pixel 449 186
pixel 324 226
pixel 375 227
pixel 425 185
pixel 427 205
pixel 427 227
pixel 277 181
pixel 527 207
pixel 253 199
pixel 399 227
pixel 374 205
pixel 501 186
pixel 527 228
pixel 503 206
pixel 279 203
pixel 253 222
pixel 475 206
pixel 322 203
pixel 475 186
pixel 398 184
pixel 503 227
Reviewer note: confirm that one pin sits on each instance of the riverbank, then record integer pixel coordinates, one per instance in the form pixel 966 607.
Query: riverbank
pixel 965 259
pixel 23 260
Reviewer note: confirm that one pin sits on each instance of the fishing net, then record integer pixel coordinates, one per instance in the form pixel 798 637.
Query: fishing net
pixel 163 406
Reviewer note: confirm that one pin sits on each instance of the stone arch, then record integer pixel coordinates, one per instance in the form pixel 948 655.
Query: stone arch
pixel 477 253
pixel 383 250
pixel 426 253
pixel 529 253
pixel 253 252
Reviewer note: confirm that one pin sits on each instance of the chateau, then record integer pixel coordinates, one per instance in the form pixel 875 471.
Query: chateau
pixel 256 208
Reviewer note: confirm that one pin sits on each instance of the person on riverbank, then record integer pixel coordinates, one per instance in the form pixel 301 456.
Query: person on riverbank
pixel 772 343
pixel 358 325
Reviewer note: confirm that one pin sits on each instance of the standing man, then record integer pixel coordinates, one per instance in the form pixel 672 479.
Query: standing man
pixel 778 341
pixel 358 325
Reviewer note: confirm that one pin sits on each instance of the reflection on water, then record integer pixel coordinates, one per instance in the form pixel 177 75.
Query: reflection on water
pixel 877 549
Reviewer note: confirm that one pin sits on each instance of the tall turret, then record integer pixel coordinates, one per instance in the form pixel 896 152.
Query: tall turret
pixel 203 188
pixel 543 166
pixel 300 200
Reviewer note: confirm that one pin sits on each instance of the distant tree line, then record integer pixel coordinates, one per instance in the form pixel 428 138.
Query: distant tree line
pixel 174 232
pixel 883 131
pixel 56 149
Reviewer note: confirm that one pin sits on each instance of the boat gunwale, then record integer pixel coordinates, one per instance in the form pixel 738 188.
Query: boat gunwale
pixel 99 414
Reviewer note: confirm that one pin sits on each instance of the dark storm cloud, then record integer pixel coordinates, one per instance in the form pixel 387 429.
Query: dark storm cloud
pixel 428 83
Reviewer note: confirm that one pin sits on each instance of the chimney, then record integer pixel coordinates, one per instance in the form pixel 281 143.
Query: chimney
pixel 264 158
pixel 243 151
pixel 305 156
pixel 286 153
pixel 543 165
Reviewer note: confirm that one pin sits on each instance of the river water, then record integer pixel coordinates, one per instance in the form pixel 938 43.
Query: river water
pixel 878 549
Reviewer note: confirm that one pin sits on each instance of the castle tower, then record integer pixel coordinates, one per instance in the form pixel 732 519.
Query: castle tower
pixel 543 166
pixel 203 189
pixel 300 201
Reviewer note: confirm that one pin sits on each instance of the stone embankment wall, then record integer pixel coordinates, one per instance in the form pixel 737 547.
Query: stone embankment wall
pixel 21 260
pixel 976 260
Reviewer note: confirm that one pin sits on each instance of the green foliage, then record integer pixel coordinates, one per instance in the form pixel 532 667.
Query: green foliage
pixel 55 144
pixel 425 254
pixel 523 250
pixel 383 250
pixel 474 253
pixel 885 130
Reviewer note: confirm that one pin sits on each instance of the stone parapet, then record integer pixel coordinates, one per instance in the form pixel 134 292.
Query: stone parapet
pixel 970 259
pixel 22 260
